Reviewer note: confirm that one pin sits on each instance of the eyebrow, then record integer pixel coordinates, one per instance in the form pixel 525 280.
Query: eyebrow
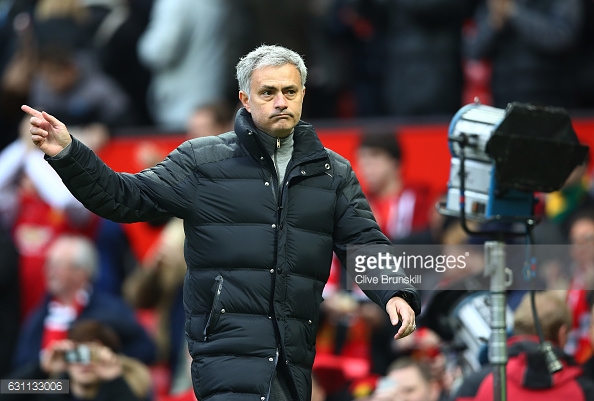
pixel 269 87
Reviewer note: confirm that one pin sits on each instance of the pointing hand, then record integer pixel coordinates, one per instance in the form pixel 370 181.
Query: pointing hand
pixel 47 132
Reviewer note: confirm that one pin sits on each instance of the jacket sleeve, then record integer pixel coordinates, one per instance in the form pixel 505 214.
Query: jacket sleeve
pixel 355 225
pixel 163 190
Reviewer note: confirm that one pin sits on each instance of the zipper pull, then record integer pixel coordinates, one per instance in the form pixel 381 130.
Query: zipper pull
pixel 277 142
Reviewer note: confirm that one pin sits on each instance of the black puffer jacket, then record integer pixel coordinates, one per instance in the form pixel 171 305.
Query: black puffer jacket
pixel 258 257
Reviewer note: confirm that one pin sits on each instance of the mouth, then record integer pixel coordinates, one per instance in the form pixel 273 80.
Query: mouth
pixel 282 115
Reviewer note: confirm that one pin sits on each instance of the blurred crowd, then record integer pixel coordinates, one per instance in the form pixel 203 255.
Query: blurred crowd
pixel 69 279
pixel 105 64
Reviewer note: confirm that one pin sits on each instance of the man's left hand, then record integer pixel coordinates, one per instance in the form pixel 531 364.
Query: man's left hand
pixel 400 311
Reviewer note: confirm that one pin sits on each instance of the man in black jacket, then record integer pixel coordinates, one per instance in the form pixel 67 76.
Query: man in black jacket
pixel 264 207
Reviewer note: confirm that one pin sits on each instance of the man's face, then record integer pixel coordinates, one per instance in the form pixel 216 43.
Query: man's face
pixel 581 236
pixel 62 276
pixel 276 99
pixel 60 78
pixel 377 168
pixel 411 386
pixel 203 123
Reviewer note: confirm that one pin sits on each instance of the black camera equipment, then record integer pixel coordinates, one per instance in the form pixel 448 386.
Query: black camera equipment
pixel 500 158
pixel 81 354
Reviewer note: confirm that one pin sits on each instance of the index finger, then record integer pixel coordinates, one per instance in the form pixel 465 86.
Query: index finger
pixel 31 111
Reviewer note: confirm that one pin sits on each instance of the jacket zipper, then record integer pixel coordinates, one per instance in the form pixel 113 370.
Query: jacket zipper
pixel 213 318
pixel 278 191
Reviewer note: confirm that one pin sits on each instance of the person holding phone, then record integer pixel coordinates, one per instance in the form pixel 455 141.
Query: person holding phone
pixel 89 359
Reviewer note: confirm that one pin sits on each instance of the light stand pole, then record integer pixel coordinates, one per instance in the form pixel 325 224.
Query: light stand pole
pixel 495 268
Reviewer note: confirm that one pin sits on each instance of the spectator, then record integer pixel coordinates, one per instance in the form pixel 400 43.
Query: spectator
pixel 530 45
pixel 209 120
pixel 424 347
pixel 581 236
pixel 399 208
pixel 589 364
pixel 562 206
pixel 71 266
pixel 68 79
pixel 527 374
pixel 90 359
pixel 158 284
pixel 115 26
pixel 17 63
pixel 354 37
pixel 36 208
pixel 186 59
pixel 70 85
pixel 406 380
pixel 423 56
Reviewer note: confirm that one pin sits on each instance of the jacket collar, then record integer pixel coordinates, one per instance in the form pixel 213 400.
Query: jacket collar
pixel 307 145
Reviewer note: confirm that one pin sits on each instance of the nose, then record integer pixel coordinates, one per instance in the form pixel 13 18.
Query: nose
pixel 280 102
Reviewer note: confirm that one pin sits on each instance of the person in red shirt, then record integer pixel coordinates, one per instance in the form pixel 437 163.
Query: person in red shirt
pixel 399 208
pixel 527 375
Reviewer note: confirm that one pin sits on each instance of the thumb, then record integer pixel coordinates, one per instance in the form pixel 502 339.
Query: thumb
pixel 393 313
pixel 51 119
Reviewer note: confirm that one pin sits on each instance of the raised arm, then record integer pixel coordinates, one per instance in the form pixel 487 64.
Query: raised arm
pixel 164 190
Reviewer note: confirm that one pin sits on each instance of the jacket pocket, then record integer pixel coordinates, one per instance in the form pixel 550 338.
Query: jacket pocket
pixel 215 310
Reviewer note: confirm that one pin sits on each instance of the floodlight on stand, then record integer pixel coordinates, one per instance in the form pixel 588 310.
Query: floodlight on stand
pixel 500 157
pixel 505 155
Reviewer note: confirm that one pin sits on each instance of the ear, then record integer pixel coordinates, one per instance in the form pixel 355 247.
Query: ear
pixel 243 98
pixel 304 91
pixel 562 335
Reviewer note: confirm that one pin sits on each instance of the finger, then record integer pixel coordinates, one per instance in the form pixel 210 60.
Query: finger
pixel 51 119
pixel 393 313
pixel 408 323
pixel 407 327
pixel 105 355
pixel 37 140
pixel 38 131
pixel 38 122
pixel 59 347
pixel 31 111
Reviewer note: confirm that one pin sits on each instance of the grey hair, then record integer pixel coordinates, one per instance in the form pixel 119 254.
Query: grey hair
pixel 265 56
pixel 86 256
